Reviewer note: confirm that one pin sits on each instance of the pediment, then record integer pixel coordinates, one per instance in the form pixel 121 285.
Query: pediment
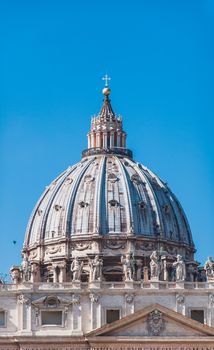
pixel 153 321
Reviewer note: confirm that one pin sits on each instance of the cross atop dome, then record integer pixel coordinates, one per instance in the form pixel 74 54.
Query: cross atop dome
pixel 106 78
pixel 106 91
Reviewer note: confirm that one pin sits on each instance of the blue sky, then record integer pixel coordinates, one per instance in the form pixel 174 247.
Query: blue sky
pixel 53 55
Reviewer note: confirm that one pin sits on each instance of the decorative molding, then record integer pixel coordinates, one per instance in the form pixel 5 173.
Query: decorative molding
pixel 81 246
pixel 180 298
pixel 33 255
pixel 155 322
pixel 53 250
pixel 114 244
pixel 129 298
pixel 145 246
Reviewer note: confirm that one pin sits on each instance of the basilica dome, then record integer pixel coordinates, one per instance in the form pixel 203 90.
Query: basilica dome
pixel 107 204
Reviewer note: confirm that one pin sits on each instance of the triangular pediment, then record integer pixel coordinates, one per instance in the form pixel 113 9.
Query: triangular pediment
pixel 155 320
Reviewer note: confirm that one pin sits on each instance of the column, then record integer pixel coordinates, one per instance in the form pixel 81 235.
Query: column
pixel 62 273
pixel 95 311
pixel 111 140
pixel 118 139
pixel 210 311
pixel 123 140
pixel 98 139
pixel 24 313
pixel 104 140
pixel 89 140
pixel 76 314
pixel 55 273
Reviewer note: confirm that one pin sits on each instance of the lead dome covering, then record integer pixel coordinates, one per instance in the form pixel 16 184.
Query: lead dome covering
pixel 106 204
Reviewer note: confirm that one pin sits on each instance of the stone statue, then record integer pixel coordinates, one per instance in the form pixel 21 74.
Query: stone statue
pixel 15 274
pixel 25 269
pixel 209 267
pixel 96 269
pixel 154 265
pixel 139 269
pixel 180 268
pixel 35 272
pixel 76 269
pixel 191 272
pixel 128 268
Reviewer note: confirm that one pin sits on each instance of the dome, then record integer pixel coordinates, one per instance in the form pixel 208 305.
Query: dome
pixel 108 195
pixel 107 204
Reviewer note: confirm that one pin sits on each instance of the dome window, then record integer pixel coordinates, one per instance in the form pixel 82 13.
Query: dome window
pixel 136 179
pixel 68 181
pixel 39 211
pixel 112 177
pixel 142 205
pixel 57 207
pixel 166 208
pixel 114 204
pixel 83 204
pixel 88 178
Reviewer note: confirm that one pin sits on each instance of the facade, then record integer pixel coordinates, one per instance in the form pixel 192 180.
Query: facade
pixel 108 260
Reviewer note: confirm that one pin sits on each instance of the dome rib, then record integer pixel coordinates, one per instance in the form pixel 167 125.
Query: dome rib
pixel 50 202
pixel 28 235
pixel 129 212
pixel 70 229
pixel 98 215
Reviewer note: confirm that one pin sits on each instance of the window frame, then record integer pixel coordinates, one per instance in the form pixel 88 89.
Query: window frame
pixel 5 319
pixel 112 308
pixel 195 308
pixel 62 325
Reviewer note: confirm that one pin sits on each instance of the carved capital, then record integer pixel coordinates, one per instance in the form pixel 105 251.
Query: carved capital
pixel 75 299
pixel 180 298
pixel 129 298
pixel 23 299
pixel 94 297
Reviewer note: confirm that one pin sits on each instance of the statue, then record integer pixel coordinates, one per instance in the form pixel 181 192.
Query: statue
pixel 25 269
pixel 35 272
pixel 76 269
pixel 191 272
pixel 209 267
pixel 96 269
pixel 15 274
pixel 139 269
pixel 180 268
pixel 154 265
pixel 128 267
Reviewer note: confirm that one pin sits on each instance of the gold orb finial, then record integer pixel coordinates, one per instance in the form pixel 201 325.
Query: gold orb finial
pixel 106 91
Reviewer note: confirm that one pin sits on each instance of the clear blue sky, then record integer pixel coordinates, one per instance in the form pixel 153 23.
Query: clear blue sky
pixel 53 54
